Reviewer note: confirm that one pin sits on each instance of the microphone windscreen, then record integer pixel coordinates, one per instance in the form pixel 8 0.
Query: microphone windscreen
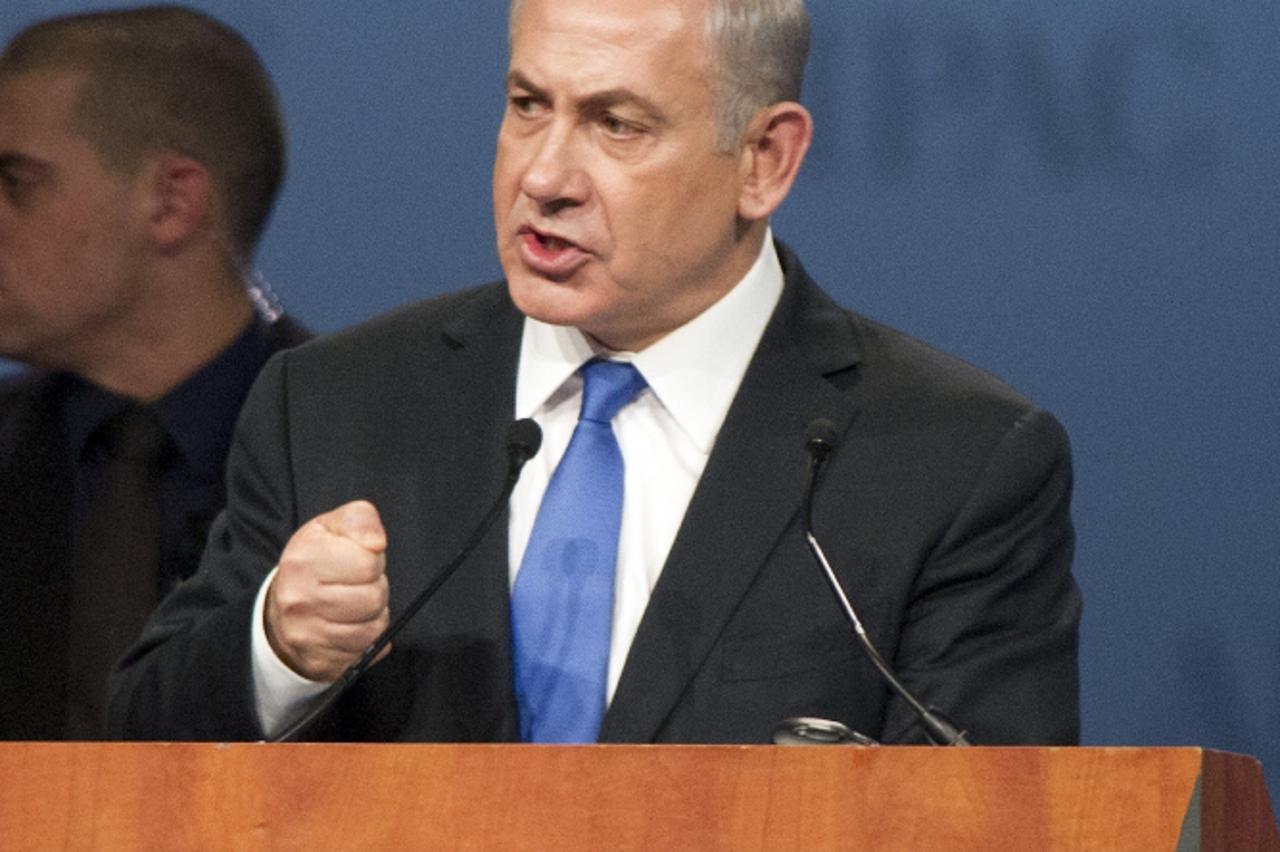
pixel 820 437
pixel 524 438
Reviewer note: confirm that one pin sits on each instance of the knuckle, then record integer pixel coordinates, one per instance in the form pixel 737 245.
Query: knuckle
pixel 373 600
pixel 374 566
pixel 291 600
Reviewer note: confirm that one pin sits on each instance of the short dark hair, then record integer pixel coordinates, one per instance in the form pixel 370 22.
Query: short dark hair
pixel 168 78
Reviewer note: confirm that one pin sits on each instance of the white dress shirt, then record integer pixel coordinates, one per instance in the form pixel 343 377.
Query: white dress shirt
pixel 665 434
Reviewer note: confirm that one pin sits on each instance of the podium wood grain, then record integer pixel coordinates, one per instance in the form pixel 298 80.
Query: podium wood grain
pixel 177 796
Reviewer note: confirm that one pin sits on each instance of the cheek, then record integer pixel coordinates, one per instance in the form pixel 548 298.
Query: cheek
pixel 506 177
pixel 38 257
pixel 85 266
pixel 500 191
pixel 671 219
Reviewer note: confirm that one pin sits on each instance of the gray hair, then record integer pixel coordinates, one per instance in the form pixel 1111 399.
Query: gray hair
pixel 759 48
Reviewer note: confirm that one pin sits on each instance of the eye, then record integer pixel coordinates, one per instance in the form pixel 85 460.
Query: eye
pixel 619 128
pixel 523 104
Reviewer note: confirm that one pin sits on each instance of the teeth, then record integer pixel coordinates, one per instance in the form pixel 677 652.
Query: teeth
pixel 555 244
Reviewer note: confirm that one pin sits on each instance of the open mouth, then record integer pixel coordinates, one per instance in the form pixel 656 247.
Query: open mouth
pixel 552 243
pixel 548 242
pixel 551 255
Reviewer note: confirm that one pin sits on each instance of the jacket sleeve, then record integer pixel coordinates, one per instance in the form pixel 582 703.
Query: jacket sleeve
pixel 990 635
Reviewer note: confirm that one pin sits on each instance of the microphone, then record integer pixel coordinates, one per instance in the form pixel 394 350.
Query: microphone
pixel 819 441
pixel 524 438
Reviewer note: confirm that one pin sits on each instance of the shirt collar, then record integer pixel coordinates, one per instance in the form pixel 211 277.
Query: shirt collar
pixel 694 371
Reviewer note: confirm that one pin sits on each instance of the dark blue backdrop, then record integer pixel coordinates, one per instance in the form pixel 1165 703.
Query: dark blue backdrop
pixel 1081 197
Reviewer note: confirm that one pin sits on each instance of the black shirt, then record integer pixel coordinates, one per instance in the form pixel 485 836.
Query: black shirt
pixel 199 416
pixel 50 462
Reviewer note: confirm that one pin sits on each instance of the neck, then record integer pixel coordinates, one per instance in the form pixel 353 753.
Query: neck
pixel 747 246
pixel 163 346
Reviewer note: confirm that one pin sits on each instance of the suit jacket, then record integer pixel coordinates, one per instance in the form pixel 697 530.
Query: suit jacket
pixel 35 548
pixel 944 509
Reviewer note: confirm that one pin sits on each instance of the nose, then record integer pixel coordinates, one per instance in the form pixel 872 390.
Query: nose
pixel 555 178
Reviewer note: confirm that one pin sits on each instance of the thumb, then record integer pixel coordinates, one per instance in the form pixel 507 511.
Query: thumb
pixel 358 521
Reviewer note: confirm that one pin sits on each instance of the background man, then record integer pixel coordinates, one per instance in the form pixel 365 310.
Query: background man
pixel 140 152
pixel 644 147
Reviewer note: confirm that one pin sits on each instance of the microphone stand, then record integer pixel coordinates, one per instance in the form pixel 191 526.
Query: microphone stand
pixel 819 442
pixel 523 441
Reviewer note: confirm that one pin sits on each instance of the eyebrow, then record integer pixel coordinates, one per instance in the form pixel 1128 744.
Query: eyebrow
pixel 14 160
pixel 596 101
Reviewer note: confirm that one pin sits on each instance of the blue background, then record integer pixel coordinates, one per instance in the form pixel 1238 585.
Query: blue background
pixel 1081 197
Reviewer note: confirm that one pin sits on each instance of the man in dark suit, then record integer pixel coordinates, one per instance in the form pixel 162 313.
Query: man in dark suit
pixel 644 147
pixel 140 152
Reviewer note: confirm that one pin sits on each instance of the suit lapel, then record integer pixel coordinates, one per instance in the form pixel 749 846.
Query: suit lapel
pixel 749 493
pixel 476 388
pixel 477 365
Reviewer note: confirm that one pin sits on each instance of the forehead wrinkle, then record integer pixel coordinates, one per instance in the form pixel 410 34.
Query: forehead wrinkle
pixel 584 57
pixel 594 31
pixel 608 29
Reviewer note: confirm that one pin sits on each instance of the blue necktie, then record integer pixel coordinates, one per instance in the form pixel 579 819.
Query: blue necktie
pixel 562 604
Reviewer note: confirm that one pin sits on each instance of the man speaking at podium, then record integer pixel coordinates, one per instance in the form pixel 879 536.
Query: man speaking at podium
pixel 653 582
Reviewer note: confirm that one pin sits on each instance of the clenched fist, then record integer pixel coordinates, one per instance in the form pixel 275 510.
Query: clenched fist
pixel 328 601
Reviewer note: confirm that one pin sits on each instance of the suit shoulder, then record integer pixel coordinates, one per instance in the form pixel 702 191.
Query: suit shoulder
pixel 900 375
pixel 447 321
pixel 918 383
pixel 285 333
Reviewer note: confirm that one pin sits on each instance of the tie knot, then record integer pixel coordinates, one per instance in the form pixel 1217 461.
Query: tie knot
pixel 607 386
pixel 135 436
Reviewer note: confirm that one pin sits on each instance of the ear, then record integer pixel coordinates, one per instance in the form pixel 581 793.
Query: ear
pixel 180 200
pixel 777 139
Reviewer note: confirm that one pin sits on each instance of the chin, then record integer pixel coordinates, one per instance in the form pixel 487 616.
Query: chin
pixel 553 302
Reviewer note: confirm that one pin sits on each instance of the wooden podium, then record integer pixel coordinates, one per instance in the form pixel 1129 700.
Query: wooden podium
pixel 179 796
